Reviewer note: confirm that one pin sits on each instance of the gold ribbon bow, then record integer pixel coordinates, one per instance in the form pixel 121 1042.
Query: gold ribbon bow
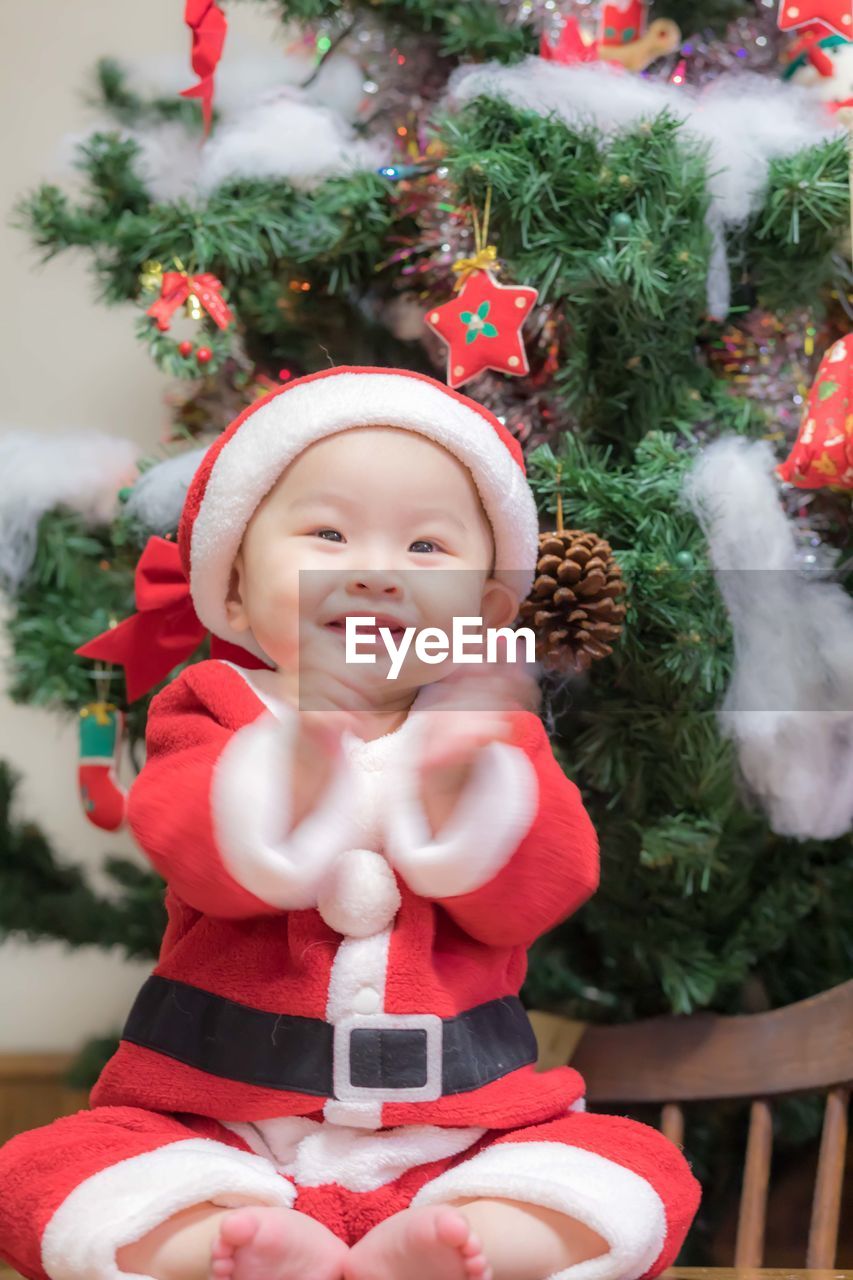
pixel 482 259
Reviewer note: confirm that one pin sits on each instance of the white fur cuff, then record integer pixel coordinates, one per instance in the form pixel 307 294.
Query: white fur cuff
pixel 126 1201
pixel 250 801
pixel 620 1205
pixel 491 818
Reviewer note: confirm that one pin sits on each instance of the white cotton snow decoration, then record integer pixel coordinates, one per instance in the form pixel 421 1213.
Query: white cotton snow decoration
pixel 158 496
pixel 83 471
pixel 745 121
pixel 268 126
pixel 789 707
pixel 286 137
pixel 168 161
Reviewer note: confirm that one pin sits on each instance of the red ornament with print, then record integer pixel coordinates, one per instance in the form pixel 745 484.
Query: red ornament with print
pixel 823 453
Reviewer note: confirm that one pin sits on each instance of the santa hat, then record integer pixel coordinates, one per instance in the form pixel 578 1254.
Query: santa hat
pixel 243 465
pixel 246 461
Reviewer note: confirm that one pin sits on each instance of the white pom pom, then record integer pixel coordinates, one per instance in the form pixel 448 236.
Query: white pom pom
pixel 360 896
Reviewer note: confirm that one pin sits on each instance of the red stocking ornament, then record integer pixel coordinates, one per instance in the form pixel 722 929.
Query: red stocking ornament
pixel 104 800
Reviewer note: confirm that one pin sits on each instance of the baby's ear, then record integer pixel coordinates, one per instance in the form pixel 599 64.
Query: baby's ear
pixel 235 608
pixel 500 604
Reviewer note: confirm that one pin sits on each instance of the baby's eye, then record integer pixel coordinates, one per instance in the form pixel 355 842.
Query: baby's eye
pixel 331 535
pixel 424 542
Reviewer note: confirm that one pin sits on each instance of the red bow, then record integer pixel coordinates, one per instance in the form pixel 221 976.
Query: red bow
pixel 164 631
pixel 208 24
pixel 177 287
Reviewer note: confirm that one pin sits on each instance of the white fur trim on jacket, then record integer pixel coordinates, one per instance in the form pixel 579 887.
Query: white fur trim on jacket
pixel 250 802
pixel 614 1201
pixel 122 1203
pixel 256 455
pixel 492 816
pixel 314 1154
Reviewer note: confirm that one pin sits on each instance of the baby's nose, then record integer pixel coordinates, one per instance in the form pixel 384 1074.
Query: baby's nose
pixel 372 582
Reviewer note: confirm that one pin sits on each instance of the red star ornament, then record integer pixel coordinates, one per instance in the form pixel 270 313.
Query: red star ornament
pixel 482 328
pixel 836 14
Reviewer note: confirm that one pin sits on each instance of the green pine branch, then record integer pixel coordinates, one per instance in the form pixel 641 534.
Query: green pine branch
pixel 44 898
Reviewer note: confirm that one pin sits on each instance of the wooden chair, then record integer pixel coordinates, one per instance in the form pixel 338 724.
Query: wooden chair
pixel 806 1047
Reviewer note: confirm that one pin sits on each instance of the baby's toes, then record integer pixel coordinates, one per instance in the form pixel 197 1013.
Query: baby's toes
pixel 472 1246
pixel 222 1268
pixel 452 1229
pixel 236 1230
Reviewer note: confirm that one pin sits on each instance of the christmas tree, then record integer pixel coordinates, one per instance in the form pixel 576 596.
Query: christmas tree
pixel 671 208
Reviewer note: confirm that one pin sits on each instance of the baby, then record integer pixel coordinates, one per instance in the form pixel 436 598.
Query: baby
pixel 329 1076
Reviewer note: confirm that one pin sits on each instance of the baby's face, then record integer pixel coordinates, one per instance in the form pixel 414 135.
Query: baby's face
pixel 375 521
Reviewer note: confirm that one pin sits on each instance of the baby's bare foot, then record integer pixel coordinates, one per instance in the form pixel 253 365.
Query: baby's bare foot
pixel 433 1243
pixel 275 1244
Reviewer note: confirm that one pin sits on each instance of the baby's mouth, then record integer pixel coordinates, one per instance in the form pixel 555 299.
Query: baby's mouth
pixel 365 631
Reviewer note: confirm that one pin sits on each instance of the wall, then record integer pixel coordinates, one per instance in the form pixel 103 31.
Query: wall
pixel 71 363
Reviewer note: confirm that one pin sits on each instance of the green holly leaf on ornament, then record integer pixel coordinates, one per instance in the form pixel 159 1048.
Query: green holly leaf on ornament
pixel 827 389
pixel 477 323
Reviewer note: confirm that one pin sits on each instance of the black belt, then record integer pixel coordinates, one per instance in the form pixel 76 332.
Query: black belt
pixel 306 1055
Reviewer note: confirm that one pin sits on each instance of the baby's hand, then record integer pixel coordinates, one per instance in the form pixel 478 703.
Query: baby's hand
pixel 315 748
pixel 472 707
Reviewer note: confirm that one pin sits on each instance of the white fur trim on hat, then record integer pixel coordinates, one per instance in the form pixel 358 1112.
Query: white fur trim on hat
pixel 278 431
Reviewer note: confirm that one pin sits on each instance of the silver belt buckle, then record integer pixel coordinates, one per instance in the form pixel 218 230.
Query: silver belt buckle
pixel 344 1088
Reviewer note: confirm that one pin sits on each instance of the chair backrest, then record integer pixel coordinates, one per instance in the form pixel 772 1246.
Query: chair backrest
pixel 805 1047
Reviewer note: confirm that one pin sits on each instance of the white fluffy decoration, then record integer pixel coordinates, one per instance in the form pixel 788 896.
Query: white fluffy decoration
pixel 287 137
pixel 83 471
pixel 244 74
pixel 789 707
pixel 268 127
pixel 158 496
pixel 745 121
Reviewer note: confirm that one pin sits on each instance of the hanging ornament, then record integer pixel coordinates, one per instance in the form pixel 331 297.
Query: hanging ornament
pixel 623 37
pixel 201 295
pixel 574 606
pixel 835 14
pixel 482 325
pixel 823 452
pixel 104 800
pixel 823 61
pixel 208 25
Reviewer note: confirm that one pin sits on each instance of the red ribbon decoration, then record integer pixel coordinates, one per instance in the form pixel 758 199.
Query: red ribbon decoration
pixel 208 24
pixel 164 631
pixel 177 287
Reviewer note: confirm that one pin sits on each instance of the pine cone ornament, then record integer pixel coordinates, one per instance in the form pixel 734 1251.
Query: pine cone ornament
pixel 574 603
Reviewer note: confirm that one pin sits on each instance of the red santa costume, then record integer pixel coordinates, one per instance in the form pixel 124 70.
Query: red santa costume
pixel 333 1023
